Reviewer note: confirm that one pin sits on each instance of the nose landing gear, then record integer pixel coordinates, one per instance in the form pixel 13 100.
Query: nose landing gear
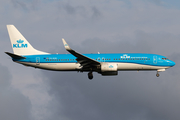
pixel 157 74
pixel 90 75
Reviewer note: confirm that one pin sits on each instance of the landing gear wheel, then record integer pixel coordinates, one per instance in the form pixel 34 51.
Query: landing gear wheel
pixel 90 75
pixel 157 75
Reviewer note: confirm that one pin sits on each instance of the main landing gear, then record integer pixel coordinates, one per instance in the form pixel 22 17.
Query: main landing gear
pixel 90 75
pixel 157 74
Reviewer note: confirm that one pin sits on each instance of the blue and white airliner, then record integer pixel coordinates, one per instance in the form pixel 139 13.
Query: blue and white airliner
pixel 104 64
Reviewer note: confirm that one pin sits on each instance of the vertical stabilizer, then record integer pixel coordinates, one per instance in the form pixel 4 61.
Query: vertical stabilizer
pixel 19 44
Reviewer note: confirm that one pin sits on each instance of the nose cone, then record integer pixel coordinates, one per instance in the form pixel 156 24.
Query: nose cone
pixel 172 63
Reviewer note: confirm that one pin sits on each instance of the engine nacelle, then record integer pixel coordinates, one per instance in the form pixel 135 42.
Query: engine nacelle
pixel 109 68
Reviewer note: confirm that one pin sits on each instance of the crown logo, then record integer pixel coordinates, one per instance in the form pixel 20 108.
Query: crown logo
pixel 20 41
pixel 110 66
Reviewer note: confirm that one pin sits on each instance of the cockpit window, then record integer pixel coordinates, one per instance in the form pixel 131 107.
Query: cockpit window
pixel 165 58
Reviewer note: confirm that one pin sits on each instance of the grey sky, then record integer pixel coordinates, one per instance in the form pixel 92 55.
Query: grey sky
pixel 13 104
pixel 91 26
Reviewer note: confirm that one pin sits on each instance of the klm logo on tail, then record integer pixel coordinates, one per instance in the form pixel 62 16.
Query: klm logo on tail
pixel 20 44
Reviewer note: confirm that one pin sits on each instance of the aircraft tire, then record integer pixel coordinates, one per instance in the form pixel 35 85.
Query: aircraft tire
pixel 157 75
pixel 90 75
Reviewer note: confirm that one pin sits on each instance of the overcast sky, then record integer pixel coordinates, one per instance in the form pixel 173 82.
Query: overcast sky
pixel 91 26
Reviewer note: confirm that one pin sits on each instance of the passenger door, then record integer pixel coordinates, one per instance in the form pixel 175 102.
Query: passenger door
pixel 155 59
pixel 37 60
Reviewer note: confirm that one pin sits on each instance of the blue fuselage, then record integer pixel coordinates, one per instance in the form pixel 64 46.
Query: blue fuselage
pixel 133 58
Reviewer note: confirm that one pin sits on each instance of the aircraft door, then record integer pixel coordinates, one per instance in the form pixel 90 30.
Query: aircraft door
pixel 37 60
pixel 154 59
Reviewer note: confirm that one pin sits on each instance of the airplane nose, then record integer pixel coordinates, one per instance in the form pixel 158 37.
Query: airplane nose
pixel 172 63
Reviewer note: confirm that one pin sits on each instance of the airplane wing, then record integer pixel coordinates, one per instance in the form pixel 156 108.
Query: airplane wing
pixel 83 60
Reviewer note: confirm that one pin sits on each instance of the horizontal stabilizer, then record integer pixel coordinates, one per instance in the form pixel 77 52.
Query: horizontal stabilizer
pixel 15 56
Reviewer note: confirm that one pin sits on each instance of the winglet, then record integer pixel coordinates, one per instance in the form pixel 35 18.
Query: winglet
pixel 66 45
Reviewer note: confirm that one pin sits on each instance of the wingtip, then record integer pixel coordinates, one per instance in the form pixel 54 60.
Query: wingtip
pixel 9 25
pixel 66 45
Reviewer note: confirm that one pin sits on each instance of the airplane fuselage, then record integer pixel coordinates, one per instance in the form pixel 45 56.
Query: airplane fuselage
pixel 124 61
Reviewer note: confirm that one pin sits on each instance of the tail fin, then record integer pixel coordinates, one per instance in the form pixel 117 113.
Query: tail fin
pixel 19 44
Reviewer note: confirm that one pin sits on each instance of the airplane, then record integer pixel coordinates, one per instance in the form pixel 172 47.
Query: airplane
pixel 104 64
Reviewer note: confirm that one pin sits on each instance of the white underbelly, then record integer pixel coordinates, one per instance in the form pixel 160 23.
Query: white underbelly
pixel 54 66
pixel 76 66
pixel 133 66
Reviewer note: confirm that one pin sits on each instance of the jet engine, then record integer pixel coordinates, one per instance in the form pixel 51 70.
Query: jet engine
pixel 109 69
